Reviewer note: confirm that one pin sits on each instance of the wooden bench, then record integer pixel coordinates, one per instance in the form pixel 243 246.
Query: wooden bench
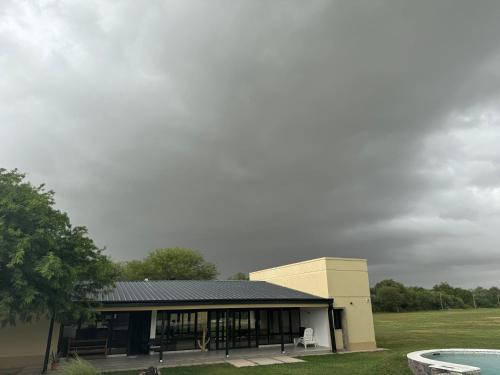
pixel 87 347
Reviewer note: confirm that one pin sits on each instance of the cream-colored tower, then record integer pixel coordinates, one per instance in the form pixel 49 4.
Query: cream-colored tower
pixel 343 279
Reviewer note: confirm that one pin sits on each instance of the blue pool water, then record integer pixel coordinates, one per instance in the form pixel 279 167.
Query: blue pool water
pixel 488 363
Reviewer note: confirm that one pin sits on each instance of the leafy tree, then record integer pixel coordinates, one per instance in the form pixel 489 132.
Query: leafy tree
pixel 46 264
pixel 239 276
pixel 170 264
pixel 390 295
pixel 390 283
pixel 486 297
pixel 424 299
pixel 495 296
pixel 463 295
pixel 390 298
pixel 444 287
pixel 132 270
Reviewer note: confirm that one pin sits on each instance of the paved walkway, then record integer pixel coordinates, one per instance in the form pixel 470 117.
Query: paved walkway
pixel 263 361
pixel 256 356
pixel 265 355
pixel 238 358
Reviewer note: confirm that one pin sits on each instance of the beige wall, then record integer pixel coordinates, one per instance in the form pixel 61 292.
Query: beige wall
pixel 345 280
pixel 317 319
pixel 24 344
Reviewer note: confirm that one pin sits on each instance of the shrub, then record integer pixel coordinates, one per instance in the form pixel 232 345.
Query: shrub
pixel 78 366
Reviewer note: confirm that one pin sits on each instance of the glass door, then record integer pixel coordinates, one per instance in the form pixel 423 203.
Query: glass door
pixel 218 327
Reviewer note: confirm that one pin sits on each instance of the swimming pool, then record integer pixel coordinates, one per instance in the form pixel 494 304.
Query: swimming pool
pixel 489 363
pixel 461 361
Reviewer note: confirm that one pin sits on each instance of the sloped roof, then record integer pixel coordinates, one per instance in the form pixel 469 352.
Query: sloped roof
pixel 186 292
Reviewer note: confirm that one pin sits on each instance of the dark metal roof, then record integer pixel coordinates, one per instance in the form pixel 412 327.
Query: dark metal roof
pixel 189 292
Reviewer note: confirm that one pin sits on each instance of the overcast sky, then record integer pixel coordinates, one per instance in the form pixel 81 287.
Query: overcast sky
pixel 263 132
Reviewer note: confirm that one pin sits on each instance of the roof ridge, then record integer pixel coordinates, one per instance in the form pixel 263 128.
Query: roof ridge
pixel 152 281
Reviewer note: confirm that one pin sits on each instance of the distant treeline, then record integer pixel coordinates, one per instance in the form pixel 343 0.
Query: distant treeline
pixel 391 296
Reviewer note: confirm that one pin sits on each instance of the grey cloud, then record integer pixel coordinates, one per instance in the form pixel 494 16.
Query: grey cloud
pixel 259 132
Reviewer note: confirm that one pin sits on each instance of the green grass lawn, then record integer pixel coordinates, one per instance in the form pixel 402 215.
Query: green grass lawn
pixel 399 333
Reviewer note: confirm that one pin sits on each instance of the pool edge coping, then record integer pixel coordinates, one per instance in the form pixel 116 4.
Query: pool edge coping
pixel 417 356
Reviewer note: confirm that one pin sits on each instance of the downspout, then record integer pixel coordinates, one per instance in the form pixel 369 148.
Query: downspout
pixel 332 326
pixel 227 333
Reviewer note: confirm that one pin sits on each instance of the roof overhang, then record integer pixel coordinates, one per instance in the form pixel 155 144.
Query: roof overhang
pixel 212 304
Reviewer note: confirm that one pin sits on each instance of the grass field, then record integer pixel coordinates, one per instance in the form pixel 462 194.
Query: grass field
pixel 399 333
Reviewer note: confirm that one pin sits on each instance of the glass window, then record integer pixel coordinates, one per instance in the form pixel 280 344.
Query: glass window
pixel 201 329
pixel 241 332
pixel 119 333
pixel 286 324
pixel 215 328
pixel 269 332
pixel 264 327
pixel 184 329
pixel 68 332
pixel 252 327
pixel 159 318
pixel 275 337
pixel 181 329
pixel 112 327
pixel 337 318
pixel 295 319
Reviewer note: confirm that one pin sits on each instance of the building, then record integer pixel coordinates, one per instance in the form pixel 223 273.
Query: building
pixel 345 281
pixel 329 295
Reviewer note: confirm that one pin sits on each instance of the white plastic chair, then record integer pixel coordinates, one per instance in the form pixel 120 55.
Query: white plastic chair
pixel 308 338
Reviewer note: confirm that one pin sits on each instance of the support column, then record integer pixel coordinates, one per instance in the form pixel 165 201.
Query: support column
pixel 152 328
pixel 332 327
pixel 167 330
pixel 269 322
pixel 249 329
pixel 233 326
pixel 282 340
pixel 196 329
pixel 209 329
pixel 227 333
pixel 162 334
pixel 217 329
pixel 49 343
pixel 257 327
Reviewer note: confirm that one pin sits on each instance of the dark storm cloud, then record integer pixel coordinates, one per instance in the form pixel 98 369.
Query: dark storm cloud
pixel 264 132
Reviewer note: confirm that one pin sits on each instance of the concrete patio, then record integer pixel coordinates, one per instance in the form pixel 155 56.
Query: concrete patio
pixel 193 358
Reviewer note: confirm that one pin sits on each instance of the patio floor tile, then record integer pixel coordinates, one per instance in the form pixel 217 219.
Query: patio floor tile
pixel 286 359
pixel 265 361
pixel 241 363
